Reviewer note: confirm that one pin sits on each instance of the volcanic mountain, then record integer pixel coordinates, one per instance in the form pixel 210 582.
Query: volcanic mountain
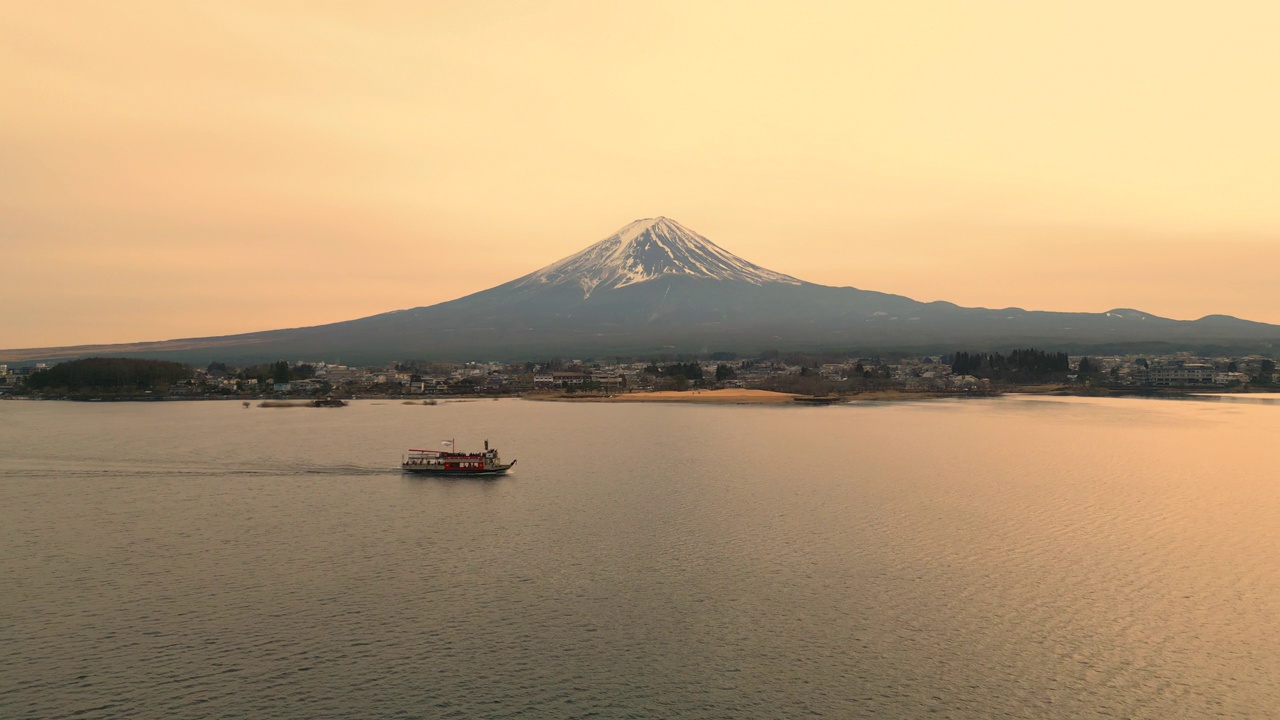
pixel 648 250
pixel 657 287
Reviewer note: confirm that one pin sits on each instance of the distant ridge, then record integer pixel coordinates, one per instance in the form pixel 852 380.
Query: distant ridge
pixel 657 287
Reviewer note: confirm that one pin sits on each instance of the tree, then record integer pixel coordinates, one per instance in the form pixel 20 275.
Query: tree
pixel 280 372
pixel 1266 371
pixel 724 372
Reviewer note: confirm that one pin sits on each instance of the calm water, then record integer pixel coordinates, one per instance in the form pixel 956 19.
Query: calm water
pixel 1012 557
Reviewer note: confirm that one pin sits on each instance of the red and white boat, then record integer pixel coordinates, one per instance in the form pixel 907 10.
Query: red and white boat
pixel 449 463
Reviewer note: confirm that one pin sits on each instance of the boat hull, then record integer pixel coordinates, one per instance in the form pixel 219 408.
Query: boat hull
pixel 442 472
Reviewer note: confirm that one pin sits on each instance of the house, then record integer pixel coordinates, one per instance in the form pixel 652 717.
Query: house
pixel 832 371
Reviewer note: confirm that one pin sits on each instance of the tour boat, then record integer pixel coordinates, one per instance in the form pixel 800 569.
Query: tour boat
pixel 447 462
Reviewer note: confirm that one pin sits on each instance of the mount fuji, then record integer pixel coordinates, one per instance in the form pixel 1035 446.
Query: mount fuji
pixel 657 287
pixel 647 250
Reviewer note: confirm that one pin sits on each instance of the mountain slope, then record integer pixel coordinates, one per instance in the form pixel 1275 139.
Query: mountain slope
pixel 657 287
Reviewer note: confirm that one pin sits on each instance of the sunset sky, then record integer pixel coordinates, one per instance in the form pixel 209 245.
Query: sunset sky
pixel 175 169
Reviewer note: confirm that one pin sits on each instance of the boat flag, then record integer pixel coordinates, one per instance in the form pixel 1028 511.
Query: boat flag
pixel 447 443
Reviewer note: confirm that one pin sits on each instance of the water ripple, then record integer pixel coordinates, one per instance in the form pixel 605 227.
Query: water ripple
pixel 1059 559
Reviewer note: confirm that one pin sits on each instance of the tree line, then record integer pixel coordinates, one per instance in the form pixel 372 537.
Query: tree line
pixel 689 370
pixel 1026 364
pixel 109 374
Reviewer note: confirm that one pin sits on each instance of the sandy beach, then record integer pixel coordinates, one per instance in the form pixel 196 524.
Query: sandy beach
pixel 732 396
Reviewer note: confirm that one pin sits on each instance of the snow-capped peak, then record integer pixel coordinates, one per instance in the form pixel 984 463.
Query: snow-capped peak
pixel 646 250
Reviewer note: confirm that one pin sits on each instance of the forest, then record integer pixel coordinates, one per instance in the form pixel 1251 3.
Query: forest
pixel 118 374
pixel 1028 364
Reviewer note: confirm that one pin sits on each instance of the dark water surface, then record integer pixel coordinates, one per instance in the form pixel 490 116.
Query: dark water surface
pixel 1012 557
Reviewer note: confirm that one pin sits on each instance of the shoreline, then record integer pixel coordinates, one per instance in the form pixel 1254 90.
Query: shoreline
pixel 742 397
pixel 728 396
pixel 769 397
pixel 723 397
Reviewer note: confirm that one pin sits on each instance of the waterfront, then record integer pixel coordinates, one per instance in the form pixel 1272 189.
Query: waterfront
pixel 1015 556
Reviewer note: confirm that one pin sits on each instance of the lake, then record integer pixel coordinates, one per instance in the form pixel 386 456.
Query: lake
pixel 1017 556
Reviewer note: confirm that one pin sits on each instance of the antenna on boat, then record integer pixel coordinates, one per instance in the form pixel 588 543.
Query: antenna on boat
pixel 486 445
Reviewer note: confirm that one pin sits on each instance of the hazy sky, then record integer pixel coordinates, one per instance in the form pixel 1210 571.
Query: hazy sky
pixel 176 169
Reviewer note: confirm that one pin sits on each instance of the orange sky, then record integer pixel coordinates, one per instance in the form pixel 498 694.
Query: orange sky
pixel 175 169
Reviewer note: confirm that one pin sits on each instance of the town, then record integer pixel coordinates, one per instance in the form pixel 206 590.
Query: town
pixel 959 373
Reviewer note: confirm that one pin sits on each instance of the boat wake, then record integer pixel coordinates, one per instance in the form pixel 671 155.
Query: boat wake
pixel 224 472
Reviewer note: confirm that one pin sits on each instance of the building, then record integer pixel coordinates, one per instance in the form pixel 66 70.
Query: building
pixel 1180 375
pixel 558 379
pixel 607 380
